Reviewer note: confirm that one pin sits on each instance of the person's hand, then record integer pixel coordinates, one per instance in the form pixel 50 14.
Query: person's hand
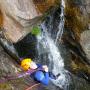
pixel 45 68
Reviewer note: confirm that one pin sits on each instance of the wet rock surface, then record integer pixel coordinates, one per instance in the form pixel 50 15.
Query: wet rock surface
pixel 8 66
pixel 76 36
pixel 19 17
pixel 85 42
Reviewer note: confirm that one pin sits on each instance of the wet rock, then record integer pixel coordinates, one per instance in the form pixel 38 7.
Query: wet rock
pixel 85 42
pixel 27 47
pixel 19 17
pixel 77 17
pixel 88 6
pixel 1 21
pixel 7 63
pixel 7 66
pixel 77 22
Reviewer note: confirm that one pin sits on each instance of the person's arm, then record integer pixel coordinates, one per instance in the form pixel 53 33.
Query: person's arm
pixel 45 81
pixel 52 76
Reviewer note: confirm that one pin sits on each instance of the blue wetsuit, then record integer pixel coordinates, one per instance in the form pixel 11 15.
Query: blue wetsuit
pixel 47 75
pixel 45 80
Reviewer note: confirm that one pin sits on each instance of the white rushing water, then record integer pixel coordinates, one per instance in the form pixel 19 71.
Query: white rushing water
pixel 61 24
pixel 56 63
pixel 54 58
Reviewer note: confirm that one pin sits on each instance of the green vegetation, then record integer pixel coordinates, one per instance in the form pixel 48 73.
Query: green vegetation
pixel 36 30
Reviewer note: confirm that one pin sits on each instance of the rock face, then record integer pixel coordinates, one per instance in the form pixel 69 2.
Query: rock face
pixel 19 16
pixel 1 19
pixel 77 34
pixel 85 42
pixel 7 67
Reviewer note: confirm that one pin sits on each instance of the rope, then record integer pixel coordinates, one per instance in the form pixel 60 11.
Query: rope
pixel 29 88
pixel 8 78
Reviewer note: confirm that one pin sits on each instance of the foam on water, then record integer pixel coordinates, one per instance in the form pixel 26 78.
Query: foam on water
pixel 61 23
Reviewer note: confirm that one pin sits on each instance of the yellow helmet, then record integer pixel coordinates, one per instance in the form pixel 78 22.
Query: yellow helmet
pixel 25 63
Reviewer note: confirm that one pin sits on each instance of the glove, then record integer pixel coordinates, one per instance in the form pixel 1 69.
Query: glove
pixel 45 68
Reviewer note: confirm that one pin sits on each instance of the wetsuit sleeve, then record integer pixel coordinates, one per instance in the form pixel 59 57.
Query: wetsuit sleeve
pixel 45 81
pixel 40 66
pixel 52 76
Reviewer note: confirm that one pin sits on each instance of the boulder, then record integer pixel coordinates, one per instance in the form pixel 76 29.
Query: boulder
pixel 20 16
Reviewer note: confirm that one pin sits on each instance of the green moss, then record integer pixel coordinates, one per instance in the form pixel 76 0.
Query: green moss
pixel 36 30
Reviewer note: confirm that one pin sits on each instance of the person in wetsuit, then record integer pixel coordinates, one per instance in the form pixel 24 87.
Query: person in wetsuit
pixel 40 74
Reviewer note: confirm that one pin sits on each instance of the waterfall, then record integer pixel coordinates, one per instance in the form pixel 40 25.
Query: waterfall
pixel 47 45
pixel 61 24
pixel 56 63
